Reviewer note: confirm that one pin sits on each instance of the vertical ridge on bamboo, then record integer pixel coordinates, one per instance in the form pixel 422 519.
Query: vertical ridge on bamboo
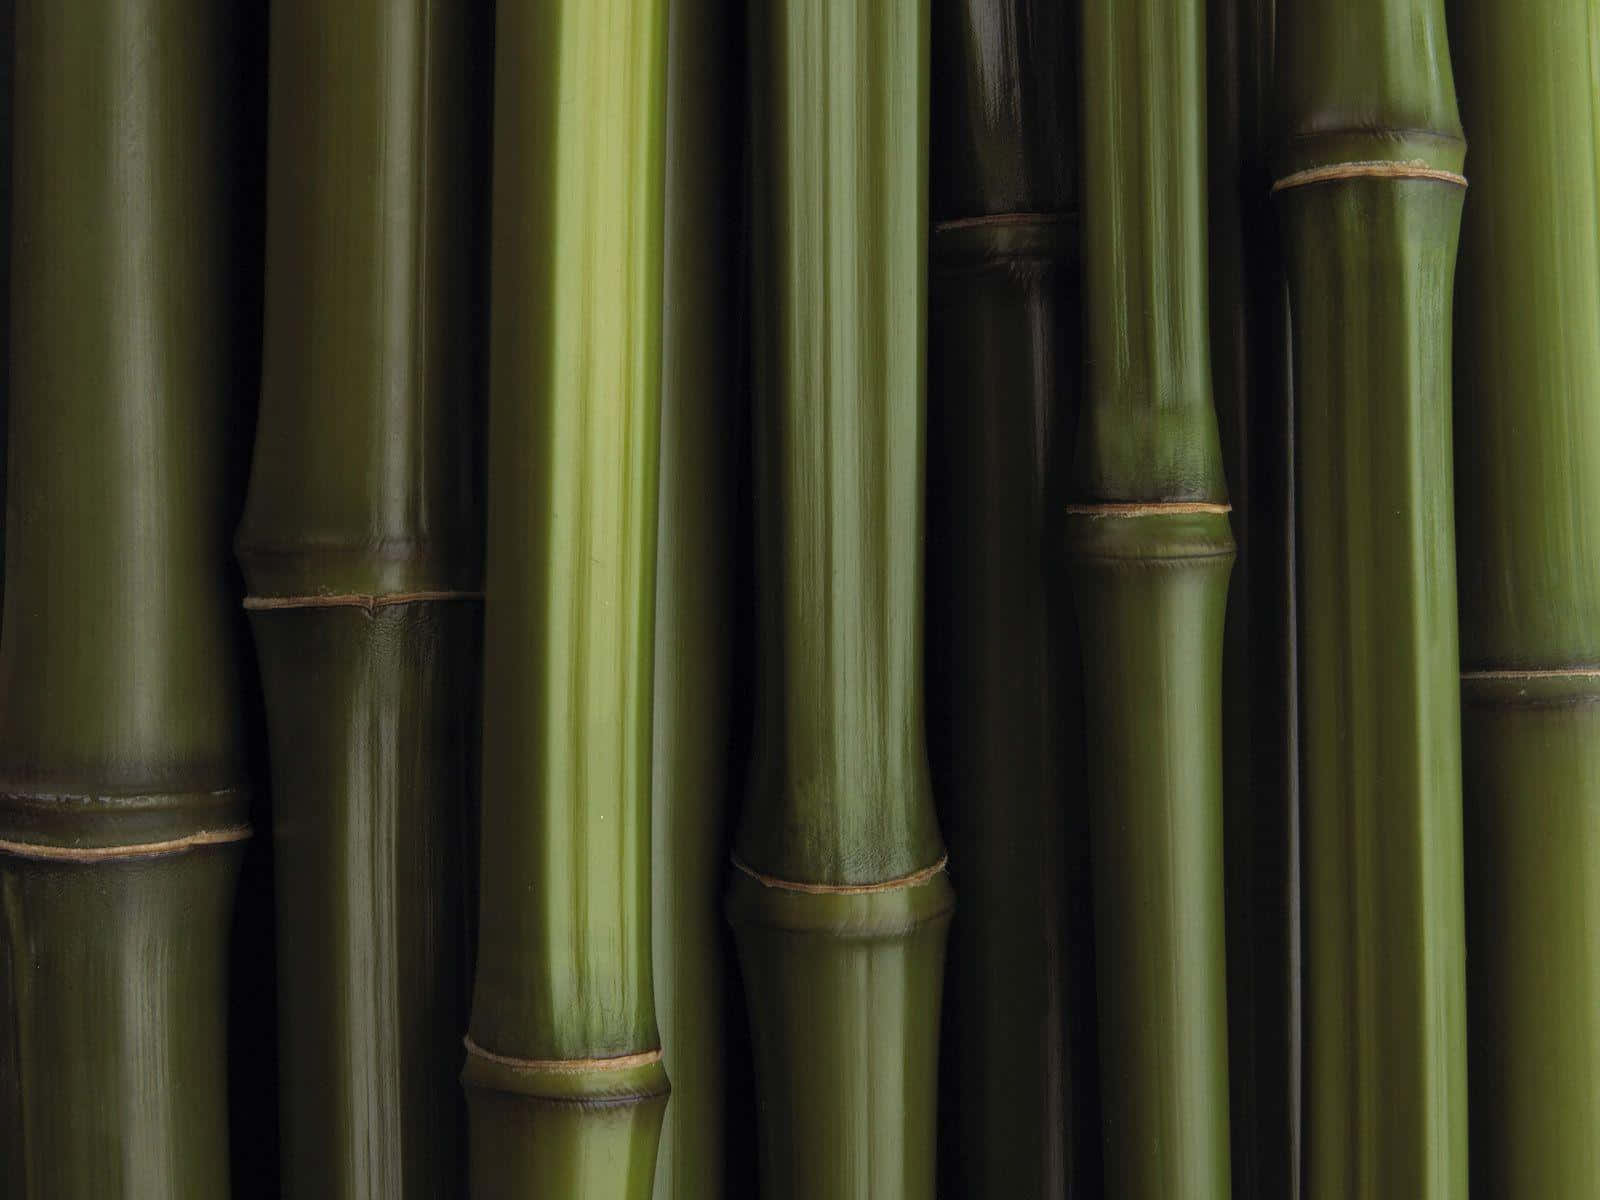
pixel 123 798
pixel 362 546
pixel 564 1079
pixel 839 897
pixel 1527 376
pixel 1370 193
pixel 1148 548
pixel 1260 776
pixel 1019 1097
pixel 701 359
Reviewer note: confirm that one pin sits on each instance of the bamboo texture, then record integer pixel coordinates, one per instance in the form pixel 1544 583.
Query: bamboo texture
pixel 1527 375
pixel 122 781
pixel 705 1153
pixel 839 899
pixel 362 546
pixel 564 1081
pixel 1019 1095
pixel 1370 195
pixel 1149 551
pixel 1260 777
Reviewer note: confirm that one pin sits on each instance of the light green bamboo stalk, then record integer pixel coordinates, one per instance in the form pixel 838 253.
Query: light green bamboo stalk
pixel 696 998
pixel 564 1079
pixel 1370 194
pixel 839 898
pixel 1528 505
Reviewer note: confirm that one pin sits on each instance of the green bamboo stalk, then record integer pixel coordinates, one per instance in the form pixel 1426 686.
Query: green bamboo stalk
pixel 696 1002
pixel 564 1080
pixel 1528 459
pixel 1020 1098
pixel 1261 784
pixel 122 781
pixel 839 901
pixel 361 543
pixel 1370 196
pixel 1149 550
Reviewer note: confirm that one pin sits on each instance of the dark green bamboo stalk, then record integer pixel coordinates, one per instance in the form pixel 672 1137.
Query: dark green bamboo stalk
pixel 1370 195
pixel 1019 1102
pixel 1149 549
pixel 696 1002
pixel 564 1078
pixel 1261 802
pixel 839 898
pixel 122 798
pixel 1528 461
pixel 361 543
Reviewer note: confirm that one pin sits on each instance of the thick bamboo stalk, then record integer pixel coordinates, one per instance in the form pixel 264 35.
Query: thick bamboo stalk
pixel 1370 195
pixel 564 1079
pixel 122 798
pixel 1149 549
pixel 1528 505
pixel 1261 783
pixel 705 1136
pixel 1019 1103
pixel 839 898
pixel 361 543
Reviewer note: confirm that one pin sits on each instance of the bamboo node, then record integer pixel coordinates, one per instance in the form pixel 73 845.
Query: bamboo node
pixel 353 600
pixel 1376 169
pixel 564 1066
pixel 843 889
pixel 93 854
pixel 1155 508
pixel 1545 673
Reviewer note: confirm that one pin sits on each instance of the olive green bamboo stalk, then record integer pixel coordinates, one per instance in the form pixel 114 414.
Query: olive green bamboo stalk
pixel 704 1154
pixel 1370 195
pixel 362 545
pixel 122 798
pixel 1019 1105
pixel 1261 803
pixel 839 898
pixel 1149 549
pixel 564 1080
pixel 1528 505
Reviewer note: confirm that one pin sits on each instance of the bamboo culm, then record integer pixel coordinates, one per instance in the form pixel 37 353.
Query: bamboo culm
pixel 564 1079
pixel 1019 1095
pixel 1148 546
pixel 1370 193
pixel 123 786
pixel 1527 455
pixel 706 1150
pixel 839 897
pixel 362 544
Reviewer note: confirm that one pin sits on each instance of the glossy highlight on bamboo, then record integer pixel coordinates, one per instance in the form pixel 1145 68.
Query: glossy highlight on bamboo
pixel 564 934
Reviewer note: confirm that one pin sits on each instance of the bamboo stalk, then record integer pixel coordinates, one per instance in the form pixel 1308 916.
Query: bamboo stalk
pixel 839 900
pixel 122 783
pixel 361 543
pixel 564 1080
pixel 1527 448
pixel 1370 196
pixel 704 1133
pixel 1260 792
pixel 1149 550
pixel 1019 1101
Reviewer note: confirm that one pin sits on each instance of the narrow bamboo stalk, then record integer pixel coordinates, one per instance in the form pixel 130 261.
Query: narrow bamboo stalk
pixel 122 783
pixel 1261 783
pixel 1020 1098
pixel 1370 195
pixel 839 898
pixel 1528 506
pixel 1149 549
pixel 564 1079
pixel 696 992
pixel 361 543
